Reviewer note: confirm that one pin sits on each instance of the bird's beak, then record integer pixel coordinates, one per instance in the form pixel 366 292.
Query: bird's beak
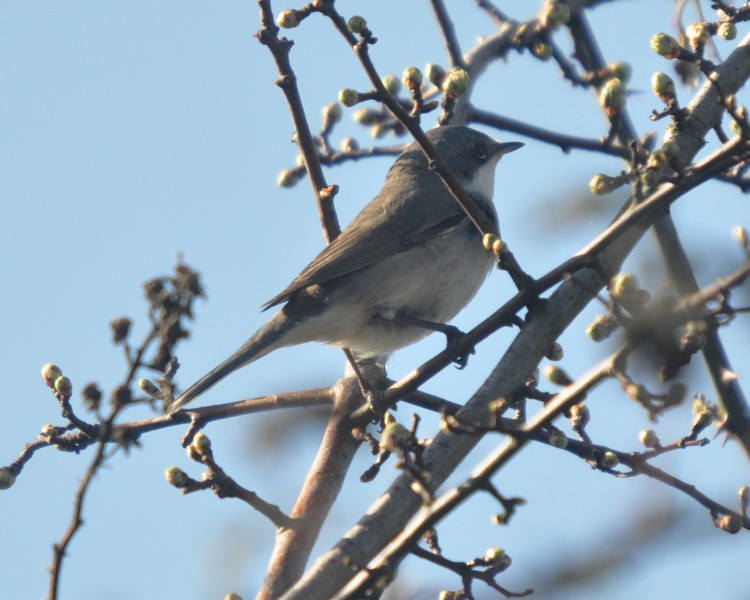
pixel 507 147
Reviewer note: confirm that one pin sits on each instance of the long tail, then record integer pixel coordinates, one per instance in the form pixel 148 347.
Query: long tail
pixel 266 339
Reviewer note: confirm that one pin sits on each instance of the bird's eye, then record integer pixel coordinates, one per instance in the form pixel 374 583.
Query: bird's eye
pixel 480 151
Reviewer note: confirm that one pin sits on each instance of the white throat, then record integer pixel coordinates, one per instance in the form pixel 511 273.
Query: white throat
pixel 483 183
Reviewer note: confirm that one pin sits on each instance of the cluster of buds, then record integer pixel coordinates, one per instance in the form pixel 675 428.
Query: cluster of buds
pixel 54 378
pixel 494 244
pixel 200 448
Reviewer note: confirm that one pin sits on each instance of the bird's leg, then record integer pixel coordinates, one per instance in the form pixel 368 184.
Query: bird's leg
pixel 367 370
pixel 452 334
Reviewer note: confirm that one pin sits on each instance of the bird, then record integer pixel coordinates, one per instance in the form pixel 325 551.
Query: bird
pixel 402 268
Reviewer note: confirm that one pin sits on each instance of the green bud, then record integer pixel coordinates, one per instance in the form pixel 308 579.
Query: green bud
pixel 51 431
pixel 554 14
pixel 624 286
pixel 456 83
pixel 357 24
pixel 288 178
pixel 148 387
pixel 648 438
pixel 366 116
pixel 288 19
pixel 348 97
pixel 332 113
pixel 671 149
pixel 488 239
pixel 495 556
pixel 649 178
pixel 613 97
pixel 657 159
pixel 391 84
pixel 610 460
pixel 50 373
pixel 412 78
pixel 663 86
pixel 739 233
pixel 665 45
pixel 394 436
pixel 601 328
pixel 620 70
pixel 435 74
pixel 730 523
pixel 557 375
pixel 557 439
pixel 692 341
pixel 637 392
pixel 349 144
pixel 728 30
pixel 201 443
pixel 580 415
pixel 499 247
pixel 698 34
pixel 542 51
pixel 63 386
pixel 176 477
pixel 378 130
pixel 555 352
pixel 601 184
pixel 7 478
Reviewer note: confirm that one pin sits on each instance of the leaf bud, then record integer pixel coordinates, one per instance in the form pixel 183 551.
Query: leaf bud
pixel 63 386
pixel 288 19
pixel 348 97
pixel 357 24
pixel 663 86
pixel 456 83
pixel 50 374
pixel 412 78
pixel 613 96
pixel 175 477
pixel 665 45
pixel 435 74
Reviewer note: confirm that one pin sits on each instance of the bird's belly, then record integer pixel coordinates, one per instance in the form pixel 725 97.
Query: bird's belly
pixel 432 282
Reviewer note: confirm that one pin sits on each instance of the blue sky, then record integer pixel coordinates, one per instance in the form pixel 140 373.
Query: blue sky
pixel 134 132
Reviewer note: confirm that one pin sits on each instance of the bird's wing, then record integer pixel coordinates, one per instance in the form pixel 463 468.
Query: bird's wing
pixel 381 230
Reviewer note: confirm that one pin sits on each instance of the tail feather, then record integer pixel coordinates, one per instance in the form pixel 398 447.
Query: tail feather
pixel 266 339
